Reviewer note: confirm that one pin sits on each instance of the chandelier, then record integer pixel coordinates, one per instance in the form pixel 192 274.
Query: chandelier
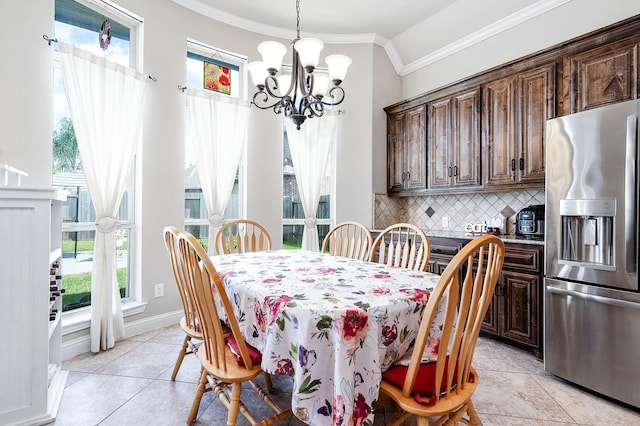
pixel 300 94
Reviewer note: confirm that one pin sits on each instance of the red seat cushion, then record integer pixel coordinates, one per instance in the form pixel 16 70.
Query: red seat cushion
pixel 424 386
pixel 254 354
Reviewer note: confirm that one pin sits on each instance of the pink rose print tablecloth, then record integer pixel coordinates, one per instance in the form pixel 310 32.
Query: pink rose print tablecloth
pixel 332 323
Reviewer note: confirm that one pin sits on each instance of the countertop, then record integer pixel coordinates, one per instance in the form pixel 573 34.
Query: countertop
pixel 507 238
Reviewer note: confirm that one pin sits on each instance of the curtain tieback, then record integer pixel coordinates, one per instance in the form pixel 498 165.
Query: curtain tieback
pixel 216 220
pixel 106 224
pixel 310 222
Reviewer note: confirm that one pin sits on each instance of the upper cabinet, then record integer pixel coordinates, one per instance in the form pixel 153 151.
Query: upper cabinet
pixel 515 112
pixel 602 76
pixel 487 132
pixel 406 150
pixel 453 140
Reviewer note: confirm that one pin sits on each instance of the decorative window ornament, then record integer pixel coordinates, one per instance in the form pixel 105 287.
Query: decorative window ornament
pixel 217 78
pixel 105 34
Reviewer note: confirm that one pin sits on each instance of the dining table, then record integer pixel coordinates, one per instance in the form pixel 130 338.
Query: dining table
pixel 334 324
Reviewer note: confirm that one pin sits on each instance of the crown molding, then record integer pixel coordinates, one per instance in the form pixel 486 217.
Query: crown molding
pixel 482 34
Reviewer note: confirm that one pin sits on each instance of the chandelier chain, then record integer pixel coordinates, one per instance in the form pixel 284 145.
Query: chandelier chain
pixel 297 19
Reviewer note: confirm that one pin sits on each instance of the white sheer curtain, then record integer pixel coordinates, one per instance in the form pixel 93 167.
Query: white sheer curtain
pixel 310 148
pixel 219 129
pixel 106 101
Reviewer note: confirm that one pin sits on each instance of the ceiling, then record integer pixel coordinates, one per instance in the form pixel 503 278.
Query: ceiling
pixel 331 16
pixel 395 25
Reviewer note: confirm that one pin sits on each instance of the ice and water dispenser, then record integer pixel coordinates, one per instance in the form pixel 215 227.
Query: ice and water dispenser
pixel 587 228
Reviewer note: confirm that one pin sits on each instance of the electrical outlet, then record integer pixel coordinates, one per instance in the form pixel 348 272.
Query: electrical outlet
pixel 445 222
pixel 158 290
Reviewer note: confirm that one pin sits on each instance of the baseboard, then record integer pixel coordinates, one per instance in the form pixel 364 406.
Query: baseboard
pixel 82 344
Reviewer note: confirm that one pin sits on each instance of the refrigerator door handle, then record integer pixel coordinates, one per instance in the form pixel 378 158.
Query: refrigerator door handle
pixel 630 200
pixel 593 297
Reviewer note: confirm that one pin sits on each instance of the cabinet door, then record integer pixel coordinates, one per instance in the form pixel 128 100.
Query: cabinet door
pixel 520 316
pixel 537 104
pixel 395 152
pixel 437 265
pixel 499 120
pixel 491 321
pixel 466 138
pixel 415 156
pixel 604 75
pixel 441 167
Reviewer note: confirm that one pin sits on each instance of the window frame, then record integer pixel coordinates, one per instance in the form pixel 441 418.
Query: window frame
pixel 328 222
pixel 223 56
pixel 79 319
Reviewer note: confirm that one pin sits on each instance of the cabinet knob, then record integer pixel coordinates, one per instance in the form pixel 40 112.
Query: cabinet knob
pixel 455 170
pixel 449 171
pixel 513 164
pixel 521 163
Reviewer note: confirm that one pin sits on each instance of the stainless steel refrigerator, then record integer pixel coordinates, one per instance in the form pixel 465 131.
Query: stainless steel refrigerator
pixel 592 302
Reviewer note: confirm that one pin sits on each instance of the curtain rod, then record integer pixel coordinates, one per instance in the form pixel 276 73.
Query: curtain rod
pixel 216 50
pixel 50 40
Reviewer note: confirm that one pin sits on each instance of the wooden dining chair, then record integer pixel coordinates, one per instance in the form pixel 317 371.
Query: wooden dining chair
pixel 348 239
pixel 402 245
pixel 242 235
pixel 444 388
pixel 189 321
pixel 227 360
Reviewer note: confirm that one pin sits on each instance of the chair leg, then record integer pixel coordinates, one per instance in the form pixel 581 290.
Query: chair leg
pixel 473 414
pixel 458 415
pixel 234 405
pixel 202 382
pixel 422 421
pixel 267 382
pixel 183 352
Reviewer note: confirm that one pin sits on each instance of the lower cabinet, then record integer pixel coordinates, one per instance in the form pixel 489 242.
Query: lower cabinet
pixel 515 313
pixel 442 251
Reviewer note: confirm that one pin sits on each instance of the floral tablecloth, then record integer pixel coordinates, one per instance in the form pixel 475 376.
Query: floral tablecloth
pixel 333 323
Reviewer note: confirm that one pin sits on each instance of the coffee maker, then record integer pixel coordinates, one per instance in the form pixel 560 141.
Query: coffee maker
pixel 530 221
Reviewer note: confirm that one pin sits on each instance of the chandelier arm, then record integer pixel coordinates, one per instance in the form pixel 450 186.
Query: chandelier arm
pixel 305 79
pixel 313 107
pixel 271 87
pixel 336 93
pixel 261 100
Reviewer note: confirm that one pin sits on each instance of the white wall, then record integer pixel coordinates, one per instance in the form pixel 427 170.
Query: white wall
pixel 26 104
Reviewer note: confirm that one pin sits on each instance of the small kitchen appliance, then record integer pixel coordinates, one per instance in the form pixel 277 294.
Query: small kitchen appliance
pixel 530 221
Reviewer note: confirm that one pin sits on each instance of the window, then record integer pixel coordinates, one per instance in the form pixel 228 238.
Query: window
pixel 79 23
pixel 292 211
pixel 204 61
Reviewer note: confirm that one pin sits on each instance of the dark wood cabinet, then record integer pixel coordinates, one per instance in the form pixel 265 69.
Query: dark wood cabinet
pixel 499 119
pixel 442 251
pixel 513 102
pixel 515 112
pixel 515 313
pixel 602 76
pixel 453 140
pixel 406 150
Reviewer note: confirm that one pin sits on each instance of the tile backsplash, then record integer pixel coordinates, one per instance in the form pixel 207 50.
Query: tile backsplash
pixel 428 212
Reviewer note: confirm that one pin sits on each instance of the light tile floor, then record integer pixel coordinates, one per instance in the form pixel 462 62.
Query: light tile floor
pixel 130 385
